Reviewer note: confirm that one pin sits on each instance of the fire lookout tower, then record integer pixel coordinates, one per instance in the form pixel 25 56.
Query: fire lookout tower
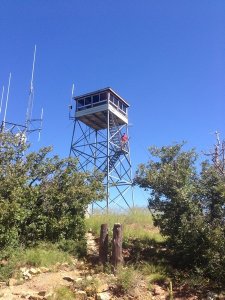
pixel 100 142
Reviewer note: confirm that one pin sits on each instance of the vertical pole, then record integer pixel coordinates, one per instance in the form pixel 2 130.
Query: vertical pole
pixel 71 145
pixel 31 94
pixel 95 157
pixel 103 244
pixel 117 257
pixel 3 88
pixel 7 100
pixel 131 175
pixel 108 137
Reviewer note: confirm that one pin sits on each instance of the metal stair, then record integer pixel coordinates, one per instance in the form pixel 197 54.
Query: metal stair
pixel 115 145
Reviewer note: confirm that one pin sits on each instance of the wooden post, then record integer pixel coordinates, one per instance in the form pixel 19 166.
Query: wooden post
pixel 103 244
pixel 117 257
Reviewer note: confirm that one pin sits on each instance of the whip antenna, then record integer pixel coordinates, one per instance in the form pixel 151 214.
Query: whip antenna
pixel 31 94
pixel 7 100
pixel 2 98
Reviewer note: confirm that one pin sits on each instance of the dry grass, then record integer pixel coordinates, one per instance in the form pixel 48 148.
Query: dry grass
pixel 137 223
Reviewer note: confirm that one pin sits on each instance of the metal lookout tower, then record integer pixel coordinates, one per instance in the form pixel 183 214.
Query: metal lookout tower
pixel 100 125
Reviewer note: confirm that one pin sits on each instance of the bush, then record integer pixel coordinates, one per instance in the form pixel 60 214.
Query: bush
pixel 127 279
pixel 62 293
pixel 76 248
pixel 42 198
pixel 188 207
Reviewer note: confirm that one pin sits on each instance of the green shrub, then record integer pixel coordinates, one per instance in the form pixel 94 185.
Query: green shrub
pixel 76 248
pixel 188 207
pixel 62 293
pixel 127 278
pixel 42 197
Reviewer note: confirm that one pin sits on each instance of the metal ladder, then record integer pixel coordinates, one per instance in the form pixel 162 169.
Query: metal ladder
pixel 115 148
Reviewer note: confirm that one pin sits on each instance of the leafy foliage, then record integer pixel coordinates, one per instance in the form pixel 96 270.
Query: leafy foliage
pixel 188 207
pixel 41 197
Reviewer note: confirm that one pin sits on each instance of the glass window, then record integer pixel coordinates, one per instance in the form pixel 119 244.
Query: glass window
pixel 115 101
pixel 95 98
pixel 111 97
pixel 121 105
pixel 80 103
pixel 124 108
pixel 87 100
pixel 103 96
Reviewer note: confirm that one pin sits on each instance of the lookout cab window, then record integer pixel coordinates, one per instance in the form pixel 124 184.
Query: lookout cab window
pixel 80 104
pixel 88 102
pixel 103 96
pixel 124 108
pixel 95 98
pixel 115 101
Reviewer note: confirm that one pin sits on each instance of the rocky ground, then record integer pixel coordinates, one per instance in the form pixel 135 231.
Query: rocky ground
pixel 40 284
pixel 83 279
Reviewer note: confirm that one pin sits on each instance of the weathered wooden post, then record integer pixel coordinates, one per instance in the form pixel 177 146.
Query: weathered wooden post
pixel 117 257
pixel 103 244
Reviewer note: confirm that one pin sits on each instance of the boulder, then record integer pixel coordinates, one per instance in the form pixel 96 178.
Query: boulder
pixel 103 296
pixel 81 295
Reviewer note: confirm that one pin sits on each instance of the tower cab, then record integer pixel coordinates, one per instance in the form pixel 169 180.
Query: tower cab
pixel 92 108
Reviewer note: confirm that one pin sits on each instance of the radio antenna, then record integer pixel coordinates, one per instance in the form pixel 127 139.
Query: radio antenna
pixel 71 106
pixel 3 88
pixel 31 95
pixel 30 126
pixel 7 100
pixel 41 122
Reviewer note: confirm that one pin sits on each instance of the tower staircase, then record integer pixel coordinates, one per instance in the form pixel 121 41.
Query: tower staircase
pixel 115 148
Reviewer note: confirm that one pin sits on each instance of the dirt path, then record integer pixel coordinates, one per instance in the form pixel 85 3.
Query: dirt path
pixel 41 284
pixel 44 284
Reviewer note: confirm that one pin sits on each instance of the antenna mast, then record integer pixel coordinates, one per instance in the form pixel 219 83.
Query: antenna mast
pixel 71 105
pixel 31 95
pixel 30 124
pixel 3 88
pixel 6 104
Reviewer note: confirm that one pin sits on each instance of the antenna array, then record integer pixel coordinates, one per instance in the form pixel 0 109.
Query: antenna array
pixel 31 125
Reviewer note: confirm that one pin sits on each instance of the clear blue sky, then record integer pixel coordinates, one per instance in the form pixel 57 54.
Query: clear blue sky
pixel 166 58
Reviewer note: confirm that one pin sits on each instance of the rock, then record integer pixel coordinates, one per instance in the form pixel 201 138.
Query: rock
pixel 44 269
pixel 80 265
pixel 103 296
pixel 68 278
pixel 31 296
pixel 23 270
pixel 78 280
pixel 81 295
pixel 65 265
pixel 90 290
pixel 33 271
pixel 211 296
pixel 89 278
pixel 35 297
pixel 13 281
pixel 74 261
pixel 3 262
pixel 157 290
pixel 27 275
pixel 24 295
pixel 47 296
pixel 2 284
pixel 42 293
pixel 103 288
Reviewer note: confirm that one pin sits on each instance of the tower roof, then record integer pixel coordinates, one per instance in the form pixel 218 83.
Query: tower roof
pixel 107 89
